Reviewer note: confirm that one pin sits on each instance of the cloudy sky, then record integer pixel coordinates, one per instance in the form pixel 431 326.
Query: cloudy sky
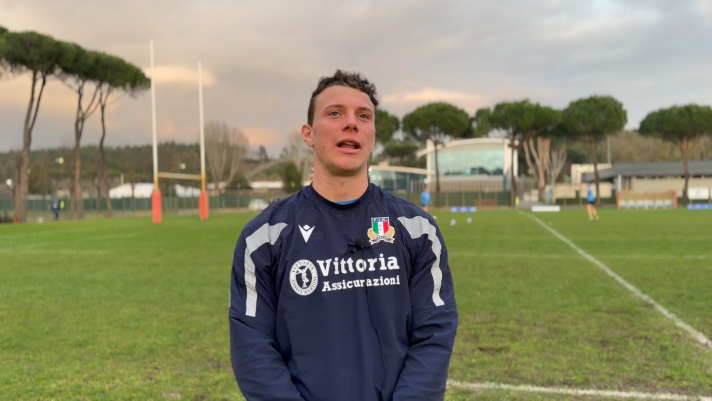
pixel 262 59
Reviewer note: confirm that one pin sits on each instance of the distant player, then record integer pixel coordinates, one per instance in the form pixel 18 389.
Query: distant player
pixel 341 292
pixel 425 199
pixel 591 203
pixel 55 209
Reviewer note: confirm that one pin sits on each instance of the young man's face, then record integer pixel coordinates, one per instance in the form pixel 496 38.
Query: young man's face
pixel 343 131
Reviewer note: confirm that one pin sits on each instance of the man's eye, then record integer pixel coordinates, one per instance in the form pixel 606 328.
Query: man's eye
pixel 365 116
pixel 334 113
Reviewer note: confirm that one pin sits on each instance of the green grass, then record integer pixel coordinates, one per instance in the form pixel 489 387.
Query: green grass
pixel 123 309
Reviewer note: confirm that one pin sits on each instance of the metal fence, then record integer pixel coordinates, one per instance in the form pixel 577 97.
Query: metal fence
pixel 129 205
pixel 448 199
pixel 170 204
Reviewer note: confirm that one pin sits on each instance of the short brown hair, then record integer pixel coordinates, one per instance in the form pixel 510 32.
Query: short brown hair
pixel 342 78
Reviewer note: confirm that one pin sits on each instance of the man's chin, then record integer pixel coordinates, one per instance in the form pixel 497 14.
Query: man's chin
pixel 347 170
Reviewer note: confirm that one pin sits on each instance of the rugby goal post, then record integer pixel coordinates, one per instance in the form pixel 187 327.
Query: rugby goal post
pixel 203 201
pixel 647 200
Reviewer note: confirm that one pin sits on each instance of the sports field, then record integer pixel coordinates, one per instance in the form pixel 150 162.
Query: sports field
pixel 123 309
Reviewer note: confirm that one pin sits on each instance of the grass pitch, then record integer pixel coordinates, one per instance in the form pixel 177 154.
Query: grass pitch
pixel 123 309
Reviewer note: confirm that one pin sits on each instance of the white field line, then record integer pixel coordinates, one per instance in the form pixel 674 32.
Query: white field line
pixel 678 322
pixel 576 392
pixel 56 251
pixel 88 239
pixel 23 247
pixel 569 256
pixel 113 236
pixel 26 248
pixel 46 232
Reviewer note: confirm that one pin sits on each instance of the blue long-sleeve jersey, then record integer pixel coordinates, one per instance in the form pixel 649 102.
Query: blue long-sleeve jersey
pixel 341 302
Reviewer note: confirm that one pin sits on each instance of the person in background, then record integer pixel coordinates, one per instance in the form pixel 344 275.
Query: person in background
pixel 55 209
pixel 591 203
pixel 425 199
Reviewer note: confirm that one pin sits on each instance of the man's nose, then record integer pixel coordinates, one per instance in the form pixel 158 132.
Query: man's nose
pixel 351 122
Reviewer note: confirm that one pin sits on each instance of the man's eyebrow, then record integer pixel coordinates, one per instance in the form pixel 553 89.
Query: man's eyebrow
pixel 334 105
pixel 341 106
pixel 364 108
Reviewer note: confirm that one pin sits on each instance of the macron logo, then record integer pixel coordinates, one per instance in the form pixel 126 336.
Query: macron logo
pixel 306 232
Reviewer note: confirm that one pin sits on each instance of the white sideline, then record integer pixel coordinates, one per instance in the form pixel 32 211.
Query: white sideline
pixel 570 256
pixel 679 323
pixel 45 232
pixel 569 391
pixel 55 251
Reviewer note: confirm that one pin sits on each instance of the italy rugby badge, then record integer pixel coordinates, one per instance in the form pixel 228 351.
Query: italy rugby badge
pixel 381 230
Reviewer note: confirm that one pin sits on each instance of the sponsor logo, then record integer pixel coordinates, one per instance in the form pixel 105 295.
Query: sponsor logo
pixel 303 277
pixel 368 282
pixel 345 266
pixel 381 230
pixel 306 232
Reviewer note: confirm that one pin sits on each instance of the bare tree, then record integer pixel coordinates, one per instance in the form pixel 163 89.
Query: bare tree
pixel 540 153
pixel 224 146
pixel 299 153
pixel 557 159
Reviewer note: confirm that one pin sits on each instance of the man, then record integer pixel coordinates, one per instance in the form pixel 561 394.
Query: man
pixel 591 204
pixel 341 291
pixel 425 199
pixel 55 209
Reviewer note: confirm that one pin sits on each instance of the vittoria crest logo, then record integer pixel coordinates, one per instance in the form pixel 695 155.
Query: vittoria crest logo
pixel 303 277
pixel 381 230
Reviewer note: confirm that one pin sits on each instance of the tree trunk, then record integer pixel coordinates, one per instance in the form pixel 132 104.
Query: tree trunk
pixel 437 178
pixel 81 117
pixel 543 145
pixel 102 164
pixel 78 209
pixel 540 153
pixel 557 158
pixel 513 188
pixel 685 165
pixel 595 171
pixel 21 185
pixel 44 186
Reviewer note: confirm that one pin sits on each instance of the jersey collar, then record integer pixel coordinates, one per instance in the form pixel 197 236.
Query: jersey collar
pixel 325 203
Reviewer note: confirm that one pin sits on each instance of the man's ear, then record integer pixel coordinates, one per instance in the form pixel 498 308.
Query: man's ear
pixel 308 135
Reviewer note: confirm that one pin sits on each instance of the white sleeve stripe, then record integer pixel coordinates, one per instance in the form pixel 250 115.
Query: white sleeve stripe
pixel 265 234
pixel 416 227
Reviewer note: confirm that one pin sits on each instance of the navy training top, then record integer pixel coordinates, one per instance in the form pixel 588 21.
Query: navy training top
pixel 341 302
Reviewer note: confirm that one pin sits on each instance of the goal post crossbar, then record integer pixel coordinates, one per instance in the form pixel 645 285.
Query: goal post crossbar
pixel 180 176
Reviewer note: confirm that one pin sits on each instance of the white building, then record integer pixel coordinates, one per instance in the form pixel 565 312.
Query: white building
pixel 477 164
pixel 140 190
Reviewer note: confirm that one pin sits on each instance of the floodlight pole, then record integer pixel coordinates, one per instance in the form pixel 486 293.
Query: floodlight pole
pixel 204 202
pixel 156 196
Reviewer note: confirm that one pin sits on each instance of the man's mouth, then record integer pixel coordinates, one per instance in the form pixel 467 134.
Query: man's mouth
pixel 348 145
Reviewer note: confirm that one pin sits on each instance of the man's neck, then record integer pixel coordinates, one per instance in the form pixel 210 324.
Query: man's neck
pixel 339 189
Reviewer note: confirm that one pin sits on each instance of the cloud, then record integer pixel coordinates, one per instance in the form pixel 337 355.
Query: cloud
pixel 707 8
pixel 262 62
pixel 172 74
pixel 429 95
pixel 56 98
pixel 261 136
